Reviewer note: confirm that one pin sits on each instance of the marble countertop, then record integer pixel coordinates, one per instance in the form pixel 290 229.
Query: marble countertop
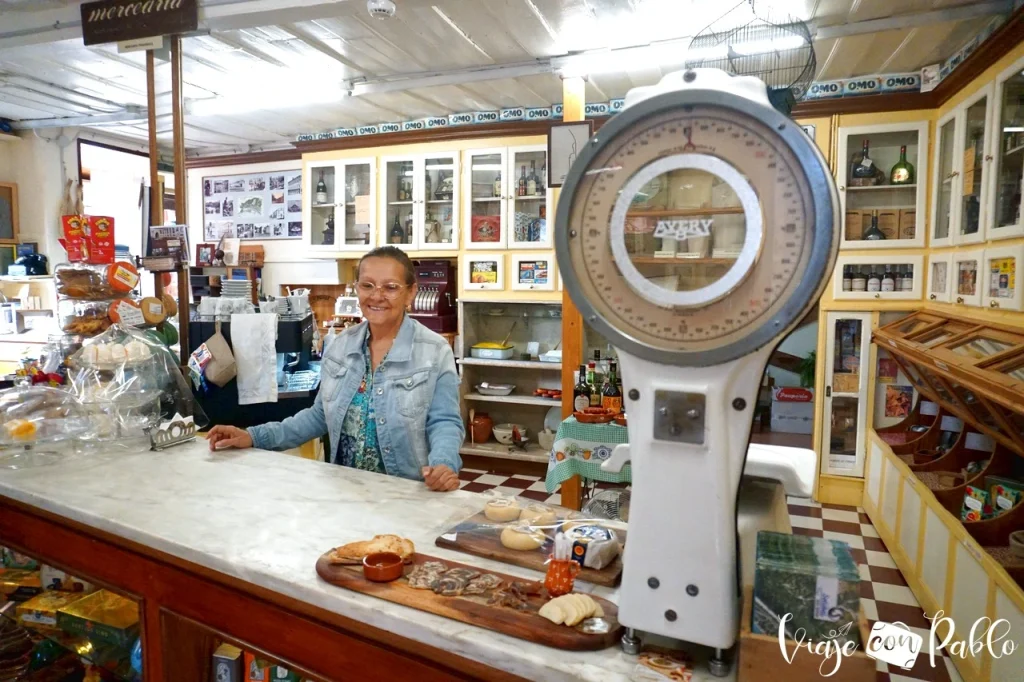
pixel 266 517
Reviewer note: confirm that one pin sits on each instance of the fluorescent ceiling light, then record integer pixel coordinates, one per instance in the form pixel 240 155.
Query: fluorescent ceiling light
pixel 1014 129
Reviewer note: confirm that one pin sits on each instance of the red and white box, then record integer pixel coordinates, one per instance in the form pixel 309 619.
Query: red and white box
pixel 792 410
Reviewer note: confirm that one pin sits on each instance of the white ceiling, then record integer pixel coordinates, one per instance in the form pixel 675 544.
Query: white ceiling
pixel 272 60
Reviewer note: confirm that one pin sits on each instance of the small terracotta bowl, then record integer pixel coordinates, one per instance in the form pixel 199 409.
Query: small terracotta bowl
pixel 382 567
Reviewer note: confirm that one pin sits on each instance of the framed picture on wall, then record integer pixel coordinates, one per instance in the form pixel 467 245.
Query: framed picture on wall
pixel 532 273
pixel 204 254
pixel 484 271
pixel 257 206
pixel 565 142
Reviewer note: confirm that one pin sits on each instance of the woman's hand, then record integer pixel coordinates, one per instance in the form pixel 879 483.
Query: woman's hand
pixel 223 437
pixel 440 478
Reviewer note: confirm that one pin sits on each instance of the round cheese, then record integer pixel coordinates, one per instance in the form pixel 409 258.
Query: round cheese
pixel 593 546
pixel 153 310
pixel 122 276
pixel 170 305
pixel 522 538
pixel 125 311
pixel 502 509
pixel 538 515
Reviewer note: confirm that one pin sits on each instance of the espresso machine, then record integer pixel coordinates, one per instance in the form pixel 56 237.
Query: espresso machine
pixel 693 335
pixel 434 305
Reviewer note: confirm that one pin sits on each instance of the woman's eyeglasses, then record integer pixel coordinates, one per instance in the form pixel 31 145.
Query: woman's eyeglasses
pixel 388 290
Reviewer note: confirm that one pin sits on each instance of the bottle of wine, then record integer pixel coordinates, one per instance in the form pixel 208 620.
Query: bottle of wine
pixel 531 180
pixel 595 392
pixel 898 275
pixel 874 280
pixel 321 190
pixel 611 396
pixel 400 187
pixel 847 278
pixel 903 172
pixel 522 183
pixel 581 393
pixel 862 165
pixel 397 233
pixel 908 278
pixel 859 281
pixel 329 231
pixel 427 186
pixel 497 185
pixel 543 175
pixel 873 233
pixel 888 280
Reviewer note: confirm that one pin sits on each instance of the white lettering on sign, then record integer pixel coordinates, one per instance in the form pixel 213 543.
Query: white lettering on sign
pixel 133 9
pixel 538 114
pixel 597 109
pixel 863 85
pixel 681 229
pixel 485 116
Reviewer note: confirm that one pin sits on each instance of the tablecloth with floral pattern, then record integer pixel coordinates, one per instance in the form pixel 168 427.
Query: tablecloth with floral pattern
pixel 581 449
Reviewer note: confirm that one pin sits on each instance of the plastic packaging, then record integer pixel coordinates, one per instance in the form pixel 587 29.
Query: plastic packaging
pixel 39 424
pixel 95 282
pixel 131 387
pixel 84 317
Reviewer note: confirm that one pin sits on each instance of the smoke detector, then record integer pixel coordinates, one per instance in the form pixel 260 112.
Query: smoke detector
pixel 381 9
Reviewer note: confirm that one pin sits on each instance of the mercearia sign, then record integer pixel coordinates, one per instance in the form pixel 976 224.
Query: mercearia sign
pixel 111 21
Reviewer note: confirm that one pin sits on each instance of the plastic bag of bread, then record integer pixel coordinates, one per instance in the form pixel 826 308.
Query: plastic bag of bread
pixel 129 382
pixel 38 422
pixel 82 281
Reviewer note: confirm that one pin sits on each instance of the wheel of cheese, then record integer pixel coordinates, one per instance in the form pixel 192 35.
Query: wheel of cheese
pixel 170 305
pixel 502 509
pixel 522 538
pixel 122 276
pixel 153 310
pixel 538 515
pixel 125 311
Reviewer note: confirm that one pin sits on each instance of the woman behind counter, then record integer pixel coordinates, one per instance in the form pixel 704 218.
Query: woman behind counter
pixel 389 390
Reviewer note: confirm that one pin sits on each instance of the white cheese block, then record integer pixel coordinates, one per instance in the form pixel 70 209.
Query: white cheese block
pixel 598 546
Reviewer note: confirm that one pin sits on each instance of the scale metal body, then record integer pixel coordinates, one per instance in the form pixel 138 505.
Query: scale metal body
pixel 693 330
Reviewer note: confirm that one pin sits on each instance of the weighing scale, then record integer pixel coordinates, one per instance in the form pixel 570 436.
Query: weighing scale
pixel 694 333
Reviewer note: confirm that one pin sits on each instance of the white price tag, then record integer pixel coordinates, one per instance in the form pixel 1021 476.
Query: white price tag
pixel 130 315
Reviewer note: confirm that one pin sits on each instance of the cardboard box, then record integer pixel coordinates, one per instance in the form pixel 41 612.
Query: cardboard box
pixel 227 664
pixel 256 670
pixel 99 236
pixel 40 612
pixel 908 223
pixel 854 225
pixel 786 424
pixel 18 584
pixel 889 223
pixel 792 409
pixel 103 617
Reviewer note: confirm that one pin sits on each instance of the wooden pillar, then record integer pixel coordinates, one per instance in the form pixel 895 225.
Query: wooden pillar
pixel 156 199
pixel 573 109
pixel 180 190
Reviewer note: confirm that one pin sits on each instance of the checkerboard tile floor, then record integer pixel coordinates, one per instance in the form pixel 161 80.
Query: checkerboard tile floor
pixel 884 593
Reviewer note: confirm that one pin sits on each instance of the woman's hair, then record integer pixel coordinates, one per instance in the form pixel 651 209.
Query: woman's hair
pixel 395 254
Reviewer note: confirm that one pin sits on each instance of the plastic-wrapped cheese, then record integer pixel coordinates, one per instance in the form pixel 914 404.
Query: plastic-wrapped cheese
pixel 538 515
pixel 593 546
pixel 153 310
pixel 502 509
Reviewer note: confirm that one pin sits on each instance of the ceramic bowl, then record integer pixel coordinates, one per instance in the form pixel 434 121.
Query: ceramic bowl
pixel 546 439
pixel 382 567
pixel 503 432
pixel 1017 543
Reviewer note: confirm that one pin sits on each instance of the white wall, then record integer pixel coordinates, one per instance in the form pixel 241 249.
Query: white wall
pixel 800 343
pixel 35 164
pixel 285 260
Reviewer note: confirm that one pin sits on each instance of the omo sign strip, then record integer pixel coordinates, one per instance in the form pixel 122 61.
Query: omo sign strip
pixel 111 21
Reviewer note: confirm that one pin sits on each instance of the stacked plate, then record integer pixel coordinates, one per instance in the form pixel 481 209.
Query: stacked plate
pixel 236 288
pixel 15 650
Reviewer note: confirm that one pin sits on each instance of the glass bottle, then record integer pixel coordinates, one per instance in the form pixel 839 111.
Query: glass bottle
pixel 908 278
pixel 595 392
pixel 611 396
pixel 874 280
pixel 581 393
pixel 531 180
pixel 497 185
pixel 329 231
pixel 397 233
pixel 522 182
pixel 898 275
pixel 903 172
pixel 859 281
pixel 427 186
pixel 543 176
pixel 861 165
pixel 873 233
pixel 888 280
pixel 847 278
pixel 321 190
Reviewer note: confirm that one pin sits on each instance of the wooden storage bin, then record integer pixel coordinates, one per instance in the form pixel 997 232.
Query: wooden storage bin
pixel 761 661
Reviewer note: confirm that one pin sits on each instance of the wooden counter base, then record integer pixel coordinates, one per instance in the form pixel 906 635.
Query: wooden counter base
pixel 186 610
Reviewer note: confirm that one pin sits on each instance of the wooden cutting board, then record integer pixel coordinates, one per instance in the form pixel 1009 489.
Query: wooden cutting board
pixel 480 536
pixel 474 609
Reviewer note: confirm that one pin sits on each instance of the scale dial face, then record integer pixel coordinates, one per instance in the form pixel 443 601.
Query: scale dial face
pixel 691 229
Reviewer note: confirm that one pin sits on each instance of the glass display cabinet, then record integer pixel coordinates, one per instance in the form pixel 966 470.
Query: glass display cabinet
pixel 420 200
pixel 509 199
pixel 338 210
pixel 1005 199
pixel 940 279
pixel 847 377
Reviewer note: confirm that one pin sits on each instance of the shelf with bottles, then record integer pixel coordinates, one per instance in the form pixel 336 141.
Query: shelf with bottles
pixel 1004 217
pixel 508 202
pixel 420 199
pixel 880 173
pixel 885 278
pixel 340 213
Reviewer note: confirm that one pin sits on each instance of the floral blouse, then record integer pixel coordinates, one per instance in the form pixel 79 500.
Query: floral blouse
pixel 358 447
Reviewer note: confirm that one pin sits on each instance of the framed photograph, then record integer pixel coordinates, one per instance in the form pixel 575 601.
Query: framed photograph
pixel 532 273
pixel 204 254
pixel 243 206
pixel 483 272
pixel 565 142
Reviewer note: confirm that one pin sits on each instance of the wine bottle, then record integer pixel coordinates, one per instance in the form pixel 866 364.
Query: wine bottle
pixel 888 280
pixel 859 282
pixel 321 190
pixel 581 393
pixel 873 233
pixel 595 392
pixel 611 397
pixel 397 233
pixel 531 180
pixel 874 280
pixel 903 172
pixel 863 166
pixel 847 278
pixel 898 275
pixel 399 187
pixel 329 231
pixel 908 278
pixel 497 185
pixel 543 176
pixel 522 183
pixel 427 186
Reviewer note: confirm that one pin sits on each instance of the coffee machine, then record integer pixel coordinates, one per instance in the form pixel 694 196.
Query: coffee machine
pixel 434 305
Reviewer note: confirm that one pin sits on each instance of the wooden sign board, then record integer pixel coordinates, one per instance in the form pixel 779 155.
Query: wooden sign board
pixel 111 21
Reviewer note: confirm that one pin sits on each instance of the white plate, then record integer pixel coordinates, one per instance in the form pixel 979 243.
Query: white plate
pixel 553 418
